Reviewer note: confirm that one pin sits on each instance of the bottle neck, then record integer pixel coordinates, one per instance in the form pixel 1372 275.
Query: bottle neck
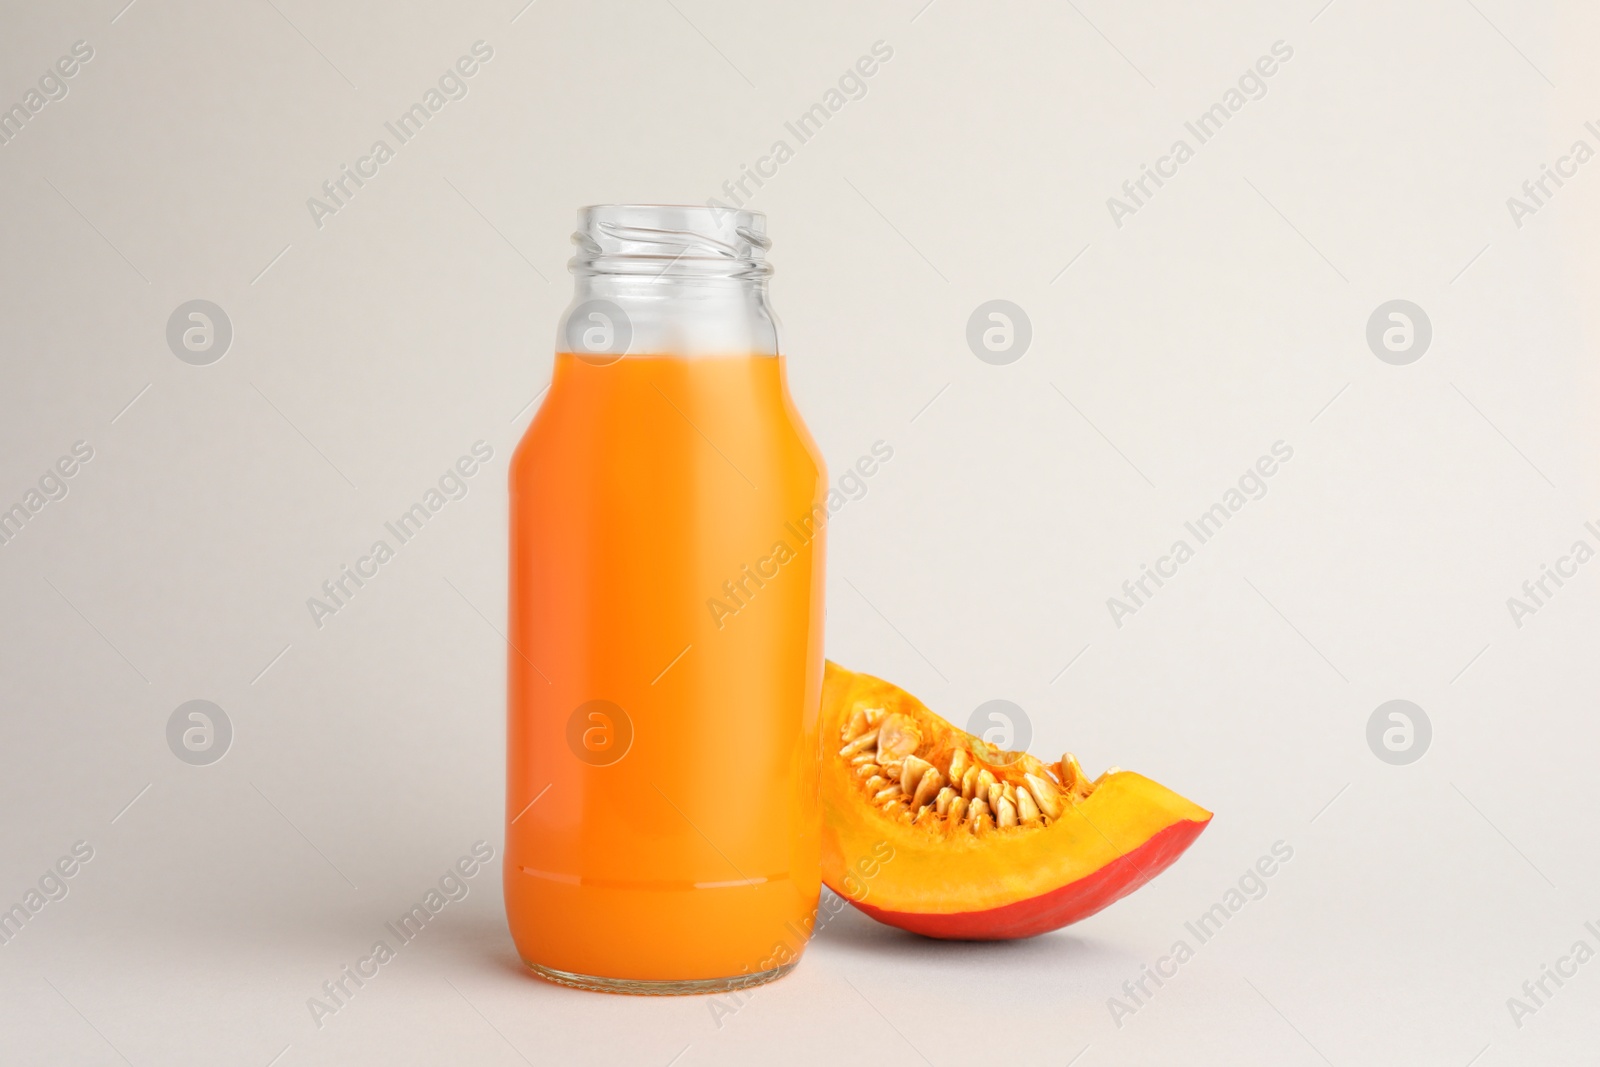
pixel 665 280
pixel 630 315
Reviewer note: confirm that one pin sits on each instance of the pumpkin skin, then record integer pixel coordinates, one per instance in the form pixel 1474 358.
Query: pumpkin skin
pixel 906 865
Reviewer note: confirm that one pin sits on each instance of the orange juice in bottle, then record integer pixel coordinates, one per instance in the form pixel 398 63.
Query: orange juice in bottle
pixel 665 660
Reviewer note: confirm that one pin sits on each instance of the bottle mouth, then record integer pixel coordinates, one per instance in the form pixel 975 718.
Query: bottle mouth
pixel 670 241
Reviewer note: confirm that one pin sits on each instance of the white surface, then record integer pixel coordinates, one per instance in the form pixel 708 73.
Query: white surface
pixel 1224 316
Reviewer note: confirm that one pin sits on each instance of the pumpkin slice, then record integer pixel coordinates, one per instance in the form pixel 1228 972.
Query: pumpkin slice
pixel 933 830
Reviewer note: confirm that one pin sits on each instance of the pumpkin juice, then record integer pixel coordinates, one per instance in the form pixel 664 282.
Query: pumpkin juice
pixel 665 672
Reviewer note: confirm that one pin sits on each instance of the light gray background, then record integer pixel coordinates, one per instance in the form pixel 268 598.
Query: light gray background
pixel 1229 313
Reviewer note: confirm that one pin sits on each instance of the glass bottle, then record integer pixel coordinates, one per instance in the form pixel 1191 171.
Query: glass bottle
pixel 666 585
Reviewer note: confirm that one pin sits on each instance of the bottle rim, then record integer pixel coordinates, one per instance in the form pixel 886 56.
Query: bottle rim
pixel 671 241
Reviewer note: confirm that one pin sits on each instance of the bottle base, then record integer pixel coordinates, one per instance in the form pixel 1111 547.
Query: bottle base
pixel 657 988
